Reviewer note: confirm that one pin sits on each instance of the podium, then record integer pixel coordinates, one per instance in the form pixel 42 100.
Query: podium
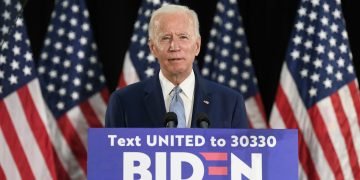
pixel 191 153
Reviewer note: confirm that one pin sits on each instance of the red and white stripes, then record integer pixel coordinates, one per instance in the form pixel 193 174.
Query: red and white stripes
pixel 73 127
pixel 328 132
pixel 24 137
pixel 128 74
pixel 255 112
pixel 36 146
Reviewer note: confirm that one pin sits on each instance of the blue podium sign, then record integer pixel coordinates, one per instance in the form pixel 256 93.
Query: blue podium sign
pixel 162 154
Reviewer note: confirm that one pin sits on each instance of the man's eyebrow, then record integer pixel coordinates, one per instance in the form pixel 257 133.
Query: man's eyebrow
pixel 184 33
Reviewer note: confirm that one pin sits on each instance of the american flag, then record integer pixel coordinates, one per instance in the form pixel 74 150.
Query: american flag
pixel 227 59
pixel 318 93
pixel 26 151
pixel 2 173
pixel 139 63
pixel 72 83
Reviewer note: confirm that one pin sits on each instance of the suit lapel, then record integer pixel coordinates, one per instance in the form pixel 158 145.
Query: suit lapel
pixel 155 106
pixel 202 98
pixel 154 102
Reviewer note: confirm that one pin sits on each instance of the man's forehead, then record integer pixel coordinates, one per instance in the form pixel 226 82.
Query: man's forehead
pixel 184 25
pixel 169 17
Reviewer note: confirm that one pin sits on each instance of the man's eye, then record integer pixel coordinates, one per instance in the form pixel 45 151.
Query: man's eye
pixel 165 38
pixel 184 37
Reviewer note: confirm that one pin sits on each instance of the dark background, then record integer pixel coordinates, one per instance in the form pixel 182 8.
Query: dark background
pixel 267 24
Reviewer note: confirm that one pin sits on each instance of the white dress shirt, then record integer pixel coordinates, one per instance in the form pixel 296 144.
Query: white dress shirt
pixel 187 94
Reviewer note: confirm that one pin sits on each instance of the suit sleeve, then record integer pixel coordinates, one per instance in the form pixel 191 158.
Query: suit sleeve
pixel 240 119
pixel 115 113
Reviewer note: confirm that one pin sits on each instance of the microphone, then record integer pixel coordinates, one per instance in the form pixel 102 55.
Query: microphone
pixel 170 120
pixel 202 121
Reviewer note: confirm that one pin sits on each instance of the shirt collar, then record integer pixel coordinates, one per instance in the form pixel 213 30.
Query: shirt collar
pixel 187 86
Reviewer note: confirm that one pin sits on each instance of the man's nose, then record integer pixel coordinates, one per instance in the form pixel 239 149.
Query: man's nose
pixel 174 45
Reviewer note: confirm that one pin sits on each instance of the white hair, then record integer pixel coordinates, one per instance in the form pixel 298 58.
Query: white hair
pixel 172 8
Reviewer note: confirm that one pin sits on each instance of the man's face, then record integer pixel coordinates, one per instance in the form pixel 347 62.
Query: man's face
pixel 175 44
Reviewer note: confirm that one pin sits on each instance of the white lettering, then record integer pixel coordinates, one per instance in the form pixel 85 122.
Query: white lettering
pixel 129 165
pixel 112 139
pixel 175 140
pixel 177 158
pixel 160 166
pixel 133 141
pixel 138 163
pixel 238 167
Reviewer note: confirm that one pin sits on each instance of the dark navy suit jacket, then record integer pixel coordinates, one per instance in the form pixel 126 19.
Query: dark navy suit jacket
pixel 142 105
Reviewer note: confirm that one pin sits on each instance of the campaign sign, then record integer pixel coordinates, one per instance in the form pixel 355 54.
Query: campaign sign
pixel 189 153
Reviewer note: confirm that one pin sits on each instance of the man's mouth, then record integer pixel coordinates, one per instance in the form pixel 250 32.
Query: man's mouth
pixel 175 59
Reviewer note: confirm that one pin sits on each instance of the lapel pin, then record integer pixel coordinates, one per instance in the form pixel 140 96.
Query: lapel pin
pixel 206 102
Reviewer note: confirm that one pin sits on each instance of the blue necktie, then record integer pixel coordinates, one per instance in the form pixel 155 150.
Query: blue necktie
pixel 177 106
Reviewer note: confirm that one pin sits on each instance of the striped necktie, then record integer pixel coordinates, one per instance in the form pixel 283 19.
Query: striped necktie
pixel 177 106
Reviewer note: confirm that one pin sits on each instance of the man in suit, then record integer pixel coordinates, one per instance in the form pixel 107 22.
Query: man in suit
pixel 174 39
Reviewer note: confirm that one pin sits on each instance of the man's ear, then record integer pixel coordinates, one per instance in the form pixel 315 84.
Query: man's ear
pixel 152 47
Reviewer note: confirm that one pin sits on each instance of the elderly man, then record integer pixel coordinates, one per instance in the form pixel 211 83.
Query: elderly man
pixel 174 40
